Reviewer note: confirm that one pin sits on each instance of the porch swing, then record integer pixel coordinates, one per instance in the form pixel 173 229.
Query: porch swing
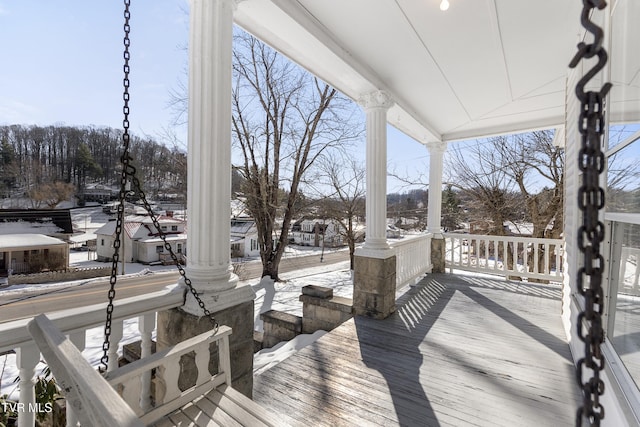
pixel 128 396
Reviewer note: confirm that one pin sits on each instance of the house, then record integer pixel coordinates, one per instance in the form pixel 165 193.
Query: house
pixel 142 242
pixel 316 232
pixel 50 222
pixel 244 238
pixel 31 253
pixel 99 193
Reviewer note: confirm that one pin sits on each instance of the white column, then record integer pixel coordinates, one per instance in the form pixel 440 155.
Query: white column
pixel 436 155
pixel 209 156
pixel 376 105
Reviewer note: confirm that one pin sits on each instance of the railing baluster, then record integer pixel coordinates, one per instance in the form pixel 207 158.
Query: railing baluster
pixel 413 258
pixel 146 325
pixel 130 391
pixel 547 261
pixel 168 373
pixel 480 249
pixel 27 357
pixel 116 336
pixel 202 364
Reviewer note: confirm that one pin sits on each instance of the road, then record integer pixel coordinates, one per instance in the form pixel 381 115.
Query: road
pixel 13 307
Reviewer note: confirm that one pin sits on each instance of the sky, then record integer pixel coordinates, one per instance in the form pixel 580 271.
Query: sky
pixel 62 64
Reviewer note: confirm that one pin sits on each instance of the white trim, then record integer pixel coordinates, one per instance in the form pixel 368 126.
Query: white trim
pixel 627 218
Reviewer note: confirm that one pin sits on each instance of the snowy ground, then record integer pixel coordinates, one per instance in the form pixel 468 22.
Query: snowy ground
pixel 278 296
pixel 281 296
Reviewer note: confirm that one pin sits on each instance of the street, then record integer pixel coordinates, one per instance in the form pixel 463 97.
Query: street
pixel 18 306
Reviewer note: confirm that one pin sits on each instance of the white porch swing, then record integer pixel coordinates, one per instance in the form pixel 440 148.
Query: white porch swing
pixel 147 391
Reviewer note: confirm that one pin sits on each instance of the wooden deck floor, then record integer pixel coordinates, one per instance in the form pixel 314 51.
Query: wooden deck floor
pixel 459 351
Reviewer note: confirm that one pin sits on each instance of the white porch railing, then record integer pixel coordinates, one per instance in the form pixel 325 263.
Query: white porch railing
pixel 413 258
pixel 75 323
pixel 509 256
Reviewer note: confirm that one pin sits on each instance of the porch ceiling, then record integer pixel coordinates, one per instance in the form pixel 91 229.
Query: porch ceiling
pixel 483 67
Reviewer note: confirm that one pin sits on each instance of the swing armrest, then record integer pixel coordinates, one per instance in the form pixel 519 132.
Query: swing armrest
pixel 94 401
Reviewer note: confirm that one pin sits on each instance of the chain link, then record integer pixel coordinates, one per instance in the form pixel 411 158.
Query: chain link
pixel 124 160
pixel 128 174
pixel 591 198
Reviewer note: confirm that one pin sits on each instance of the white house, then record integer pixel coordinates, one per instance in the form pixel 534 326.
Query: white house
pixel 244 238
pixel 316 232
pixel 142 242
pixel 31 253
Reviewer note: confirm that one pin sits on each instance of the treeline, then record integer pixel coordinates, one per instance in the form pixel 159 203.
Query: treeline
pixel 33 156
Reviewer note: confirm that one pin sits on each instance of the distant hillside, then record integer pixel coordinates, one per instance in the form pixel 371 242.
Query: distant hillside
pixel 32 157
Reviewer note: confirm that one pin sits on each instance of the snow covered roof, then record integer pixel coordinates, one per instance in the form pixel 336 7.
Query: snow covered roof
pixel 108 229
pixel 23 227
pixel 22 241
pixel 132 224
pixel 169 238
pixel 239 209
pixel 39 221
pixel 241 226
pixel 163 219
pixel 81 238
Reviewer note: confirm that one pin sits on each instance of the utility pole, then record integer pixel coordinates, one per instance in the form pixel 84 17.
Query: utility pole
pixel 323 233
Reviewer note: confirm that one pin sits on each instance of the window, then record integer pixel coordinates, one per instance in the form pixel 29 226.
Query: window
pixel 163 227
pixel 101 242
pixel 159 249
pixel 622 209
pixel 179 249
pixel 625 294
pixel 174 228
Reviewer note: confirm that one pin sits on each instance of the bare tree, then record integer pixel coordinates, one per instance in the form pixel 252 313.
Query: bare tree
pixel 347 178
pixel 515 177
pixel 479 172
pixel 51 194
pixel 531 160
pixel 284 120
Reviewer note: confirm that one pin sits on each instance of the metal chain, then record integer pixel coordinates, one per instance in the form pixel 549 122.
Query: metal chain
pixel 129 175
pixel 591 125
pixel 124 160
pixel 167 246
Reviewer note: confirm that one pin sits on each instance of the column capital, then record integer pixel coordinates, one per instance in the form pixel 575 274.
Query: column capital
pixel 437 146
pixel 376 99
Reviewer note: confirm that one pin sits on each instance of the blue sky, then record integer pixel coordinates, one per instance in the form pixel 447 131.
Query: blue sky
pixel 62 61
pixel 62 64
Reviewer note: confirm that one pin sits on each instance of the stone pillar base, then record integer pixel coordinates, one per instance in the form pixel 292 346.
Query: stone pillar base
pixel 374 286
pixel 176 325
pixel 322 311
pixel 438 248
pixel 279 326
